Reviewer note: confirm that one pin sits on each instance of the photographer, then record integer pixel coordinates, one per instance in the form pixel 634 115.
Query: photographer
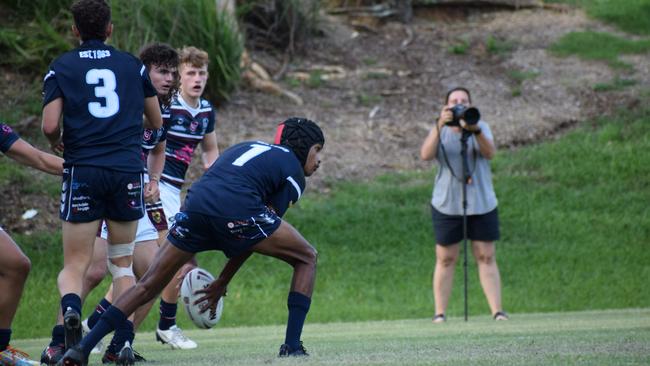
pixel 458 119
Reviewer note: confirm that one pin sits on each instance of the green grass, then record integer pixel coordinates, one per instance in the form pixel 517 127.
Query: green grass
pixel 632 16
pixel 581 338
pixel 459 48
pixel 40 31
pixel 574 221
pixel 498 46
pixel 617 83
pixel 599 46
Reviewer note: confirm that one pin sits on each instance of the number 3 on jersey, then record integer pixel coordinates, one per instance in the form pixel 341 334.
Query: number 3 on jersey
pixel 106 84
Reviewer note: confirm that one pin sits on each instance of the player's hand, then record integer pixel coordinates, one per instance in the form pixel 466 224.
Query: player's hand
pixel 213 293
pixel 151 192
pixel 57 147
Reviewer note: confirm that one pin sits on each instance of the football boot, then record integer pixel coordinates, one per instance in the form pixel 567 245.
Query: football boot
pixel 72 328
pixel 15 357
pixel 287 351
pixel 175 338
pixel 73 357
pixel 126 356
pixel 52 354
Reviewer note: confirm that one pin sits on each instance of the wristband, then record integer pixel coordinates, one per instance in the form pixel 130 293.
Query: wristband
pixel 154 178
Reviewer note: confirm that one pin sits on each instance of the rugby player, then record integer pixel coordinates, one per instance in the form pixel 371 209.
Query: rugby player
pixel 236 208
pixel 101 93
pixel 161 61
pixel 191 121
pixel 14 265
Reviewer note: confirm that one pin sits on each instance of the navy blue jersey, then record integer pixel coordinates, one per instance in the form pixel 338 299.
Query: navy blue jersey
pixel 185 129
pixel 245 178
pixel 7 137
pixel 103 91
pixel 151 138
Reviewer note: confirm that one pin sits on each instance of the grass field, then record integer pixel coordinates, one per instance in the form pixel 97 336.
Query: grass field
pixel 613 337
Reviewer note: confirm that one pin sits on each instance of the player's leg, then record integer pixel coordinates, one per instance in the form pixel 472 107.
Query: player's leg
pixel 287 244
pixel 167 261
pixel 167 331
pixel 143 256
pixel 146 246
pixel 98 268
pixel 14 268
pixel 96 273
pixel 443 277
pixel 78 239
pixel 121 243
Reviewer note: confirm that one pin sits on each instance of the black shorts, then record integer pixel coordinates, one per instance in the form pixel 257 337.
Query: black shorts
pixel 449 228
pixel 194 232
pixel 92 193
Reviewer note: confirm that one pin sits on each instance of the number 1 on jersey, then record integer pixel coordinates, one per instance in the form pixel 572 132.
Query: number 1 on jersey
pixel 254 151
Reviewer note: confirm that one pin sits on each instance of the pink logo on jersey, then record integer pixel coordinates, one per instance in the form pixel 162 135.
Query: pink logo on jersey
pixel 6 129
pixel 185 154
pixel 147 134
pixel 193 126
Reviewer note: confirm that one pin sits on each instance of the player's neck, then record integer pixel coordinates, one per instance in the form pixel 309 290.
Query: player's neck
pixel 191 101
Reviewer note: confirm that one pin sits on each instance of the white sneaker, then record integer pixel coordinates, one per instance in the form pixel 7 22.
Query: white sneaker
pixel 175 338
pixel 99 347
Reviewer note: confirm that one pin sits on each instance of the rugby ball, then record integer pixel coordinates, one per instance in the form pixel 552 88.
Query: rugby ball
pixel 198 279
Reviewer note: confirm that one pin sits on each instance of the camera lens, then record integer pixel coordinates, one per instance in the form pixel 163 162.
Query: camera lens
pixel 471 116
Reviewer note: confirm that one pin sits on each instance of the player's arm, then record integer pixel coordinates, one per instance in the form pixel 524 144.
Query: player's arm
pixel 26 154
pixel 155 165
pixel 153 118
pixel 285 197
pixel 51 127
pixel 217 288
pixel 210 149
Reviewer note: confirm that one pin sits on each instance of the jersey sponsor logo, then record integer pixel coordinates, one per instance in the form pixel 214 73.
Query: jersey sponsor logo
pixel 193 126
pixel 95 54
pixel 205 123
pixel 134 185
pixel 147 134
pixel 184 154
pixel 6 129
pixel 80 204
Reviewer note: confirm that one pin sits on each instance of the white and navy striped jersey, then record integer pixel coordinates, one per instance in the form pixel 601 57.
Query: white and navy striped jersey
pixel 185 127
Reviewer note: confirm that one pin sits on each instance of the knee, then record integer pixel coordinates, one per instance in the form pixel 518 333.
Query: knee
pixel 95 274
pixel 146 290
pixel 485 258
pixel 311 256
pixel 20 268
pixel 446 261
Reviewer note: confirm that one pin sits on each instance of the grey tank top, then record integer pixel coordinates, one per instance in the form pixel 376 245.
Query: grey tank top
pixel 447 189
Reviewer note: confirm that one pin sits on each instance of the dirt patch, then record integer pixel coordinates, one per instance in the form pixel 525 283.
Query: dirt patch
pixel 376 117
pixel 385 88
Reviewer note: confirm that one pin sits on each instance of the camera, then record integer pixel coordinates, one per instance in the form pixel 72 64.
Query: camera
pixel 471 115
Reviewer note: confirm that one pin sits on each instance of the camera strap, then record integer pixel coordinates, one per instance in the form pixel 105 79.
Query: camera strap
pixel 444 155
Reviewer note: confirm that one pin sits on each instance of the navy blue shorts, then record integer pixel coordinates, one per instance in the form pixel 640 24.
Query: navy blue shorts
pixel 449 228
pixel 91 193
pixel 195 232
